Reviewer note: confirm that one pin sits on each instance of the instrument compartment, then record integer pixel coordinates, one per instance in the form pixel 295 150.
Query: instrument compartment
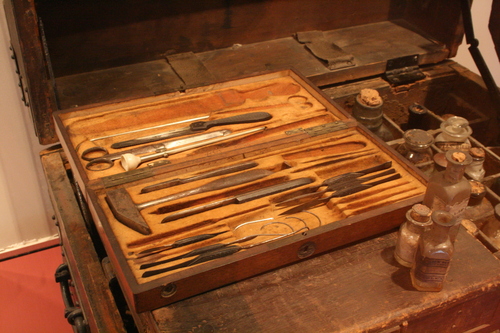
pixel 279 175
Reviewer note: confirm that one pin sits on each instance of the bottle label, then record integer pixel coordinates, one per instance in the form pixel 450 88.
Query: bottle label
pixel 456 209
pixel 430 269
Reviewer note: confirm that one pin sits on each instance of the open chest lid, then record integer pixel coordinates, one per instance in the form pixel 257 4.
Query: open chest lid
pixel 99 52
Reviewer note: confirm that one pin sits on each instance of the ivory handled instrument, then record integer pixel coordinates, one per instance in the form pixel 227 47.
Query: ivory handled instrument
pixel 131 161
pixel 107 161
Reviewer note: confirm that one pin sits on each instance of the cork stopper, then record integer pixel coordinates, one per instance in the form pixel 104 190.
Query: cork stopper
pixel 417 109
pixel 477 153
pixel 458 156
pixel 370 97
pixel 420 213
pixel 476 187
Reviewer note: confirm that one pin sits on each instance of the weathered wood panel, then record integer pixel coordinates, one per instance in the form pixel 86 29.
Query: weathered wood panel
pixel 358 288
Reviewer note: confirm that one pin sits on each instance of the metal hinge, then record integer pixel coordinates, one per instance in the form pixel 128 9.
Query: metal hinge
pixel 403 70
pixel 24 90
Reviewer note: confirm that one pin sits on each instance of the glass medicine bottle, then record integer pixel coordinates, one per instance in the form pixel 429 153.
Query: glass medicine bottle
pixel 448 190
pixel 417 149
pixel 368 110
pixel 418 219
pixel 475 170
pixel 417 116
pixel 455 132
pixel 433 256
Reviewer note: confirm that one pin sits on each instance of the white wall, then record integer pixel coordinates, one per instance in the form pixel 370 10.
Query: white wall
pixel 480 16
pixel 25 212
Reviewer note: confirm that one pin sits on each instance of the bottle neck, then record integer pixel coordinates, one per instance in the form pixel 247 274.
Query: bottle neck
pixel 440 233
pixel 416 227
pixel 454 173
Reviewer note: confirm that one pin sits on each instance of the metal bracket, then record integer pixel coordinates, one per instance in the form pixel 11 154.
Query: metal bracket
pixel 24 90
pixel 403 70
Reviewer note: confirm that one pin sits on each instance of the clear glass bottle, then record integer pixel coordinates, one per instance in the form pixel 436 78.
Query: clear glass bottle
pixel 418 219
pixel 455 132
pixel 417 149
pixel 448 190
pixel 476 170
pixel 368 110
pixel 433 256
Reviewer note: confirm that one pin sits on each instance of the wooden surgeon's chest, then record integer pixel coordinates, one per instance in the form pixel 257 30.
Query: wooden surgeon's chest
pixel 203 177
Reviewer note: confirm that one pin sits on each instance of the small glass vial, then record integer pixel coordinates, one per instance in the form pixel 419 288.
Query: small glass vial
pixel 475 170
pixel 417 149
pixel 417 116
pixel 368 110
pixel 418 219
pixel 448 190
pixel 455 132
pixel 433 256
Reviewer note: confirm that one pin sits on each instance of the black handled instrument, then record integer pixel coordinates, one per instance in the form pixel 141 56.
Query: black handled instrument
pixel 196 127
pixel 178 243
pixel 205 175
pixel 215 253
pixel 242 198
pixel 338 194
pixel 331 183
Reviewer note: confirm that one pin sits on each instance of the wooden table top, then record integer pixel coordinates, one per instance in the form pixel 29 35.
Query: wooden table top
pixel 357 288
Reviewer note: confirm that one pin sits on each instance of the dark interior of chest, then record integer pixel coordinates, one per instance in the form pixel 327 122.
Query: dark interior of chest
pixel 107 50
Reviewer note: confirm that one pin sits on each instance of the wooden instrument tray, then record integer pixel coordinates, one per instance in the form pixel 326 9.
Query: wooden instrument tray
pixel 272 210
